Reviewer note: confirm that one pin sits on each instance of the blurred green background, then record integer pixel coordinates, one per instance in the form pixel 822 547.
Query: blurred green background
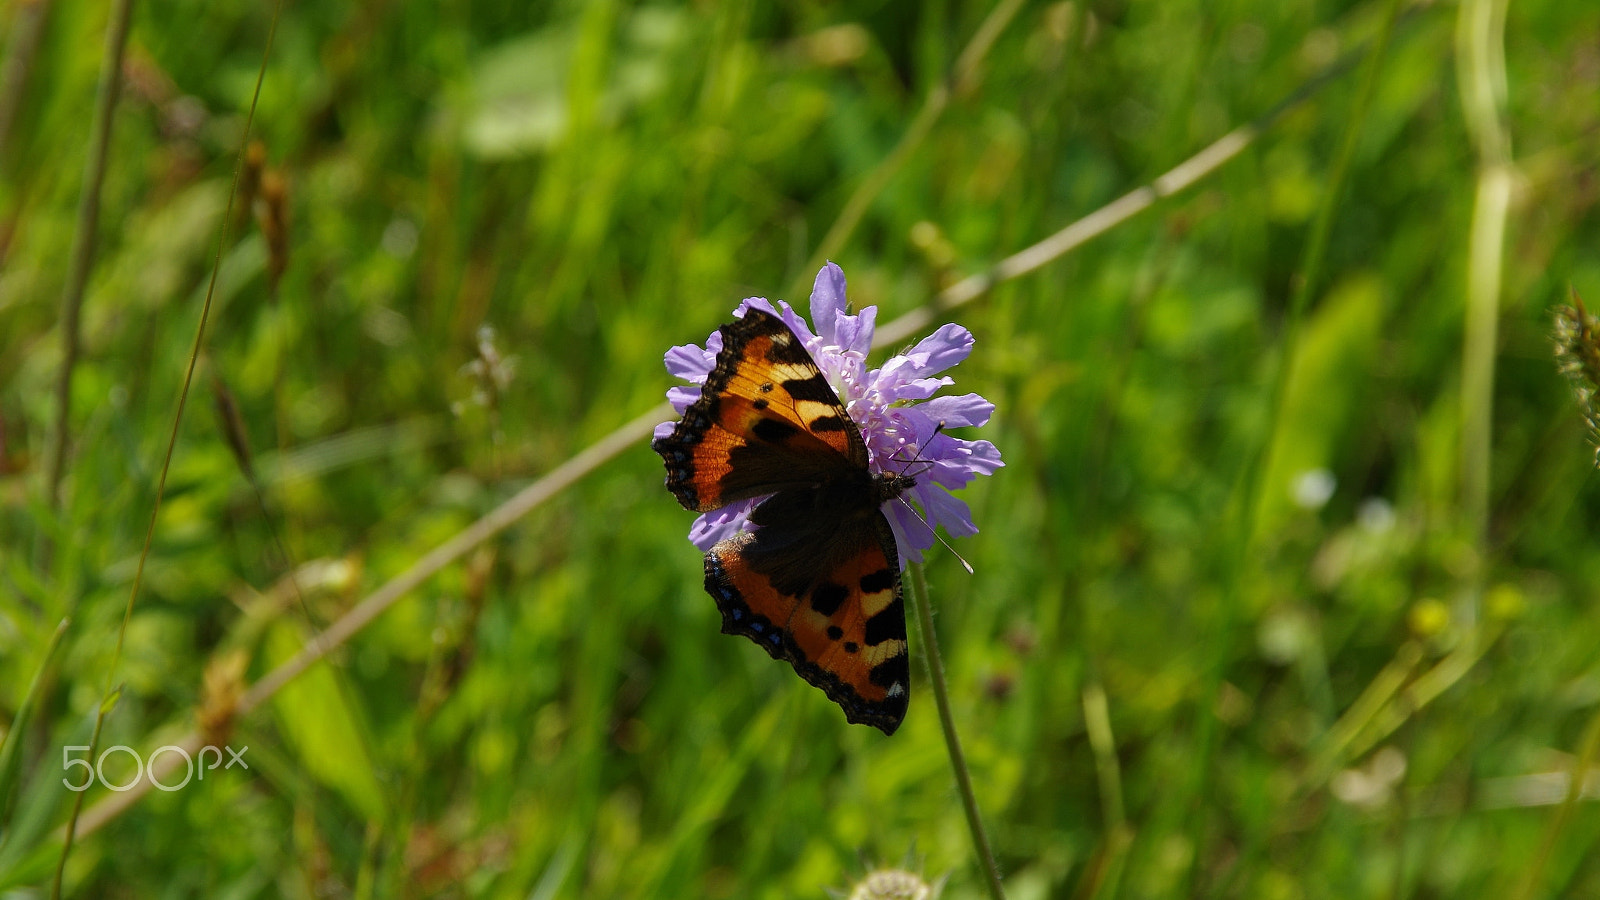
pixel 1210 649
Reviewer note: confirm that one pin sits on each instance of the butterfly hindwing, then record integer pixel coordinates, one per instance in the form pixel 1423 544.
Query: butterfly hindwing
pixel 843 628
pixel 766 419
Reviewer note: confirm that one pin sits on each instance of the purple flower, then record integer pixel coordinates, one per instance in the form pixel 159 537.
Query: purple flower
pixel 882 402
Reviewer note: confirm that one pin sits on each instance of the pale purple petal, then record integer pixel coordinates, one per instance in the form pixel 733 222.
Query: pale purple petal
pixel 847 372
pixel 690 362
pixel 664 429
pixel 915 389
pixel 952 462
pixel 682 396
pixel 760 303
pixel 783 311
pixel 693 364
pixel 917 422
pixel 984 458
pixel 797 324
pixel 932 355
pixel 855 332
pixel 827 302
pixel 948 474
pixel 957 412
pixel 911 534
pixel 945 511
pixel 719 525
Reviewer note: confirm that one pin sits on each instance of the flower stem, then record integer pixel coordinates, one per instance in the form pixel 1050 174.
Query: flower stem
pixel 941 695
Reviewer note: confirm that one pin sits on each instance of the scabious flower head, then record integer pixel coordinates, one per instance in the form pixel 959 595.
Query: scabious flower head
pixel 894 407
pixel 896 884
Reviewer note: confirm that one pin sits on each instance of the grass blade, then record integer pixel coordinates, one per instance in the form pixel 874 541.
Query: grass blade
pixel 10 750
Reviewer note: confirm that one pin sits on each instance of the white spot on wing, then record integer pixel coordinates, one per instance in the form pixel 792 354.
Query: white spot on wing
pixel 895 690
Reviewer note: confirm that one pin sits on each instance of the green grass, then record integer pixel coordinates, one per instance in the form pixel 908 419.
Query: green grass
pixel 1170 679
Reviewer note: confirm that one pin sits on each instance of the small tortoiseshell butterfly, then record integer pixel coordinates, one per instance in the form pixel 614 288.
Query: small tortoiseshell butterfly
pixel 818 582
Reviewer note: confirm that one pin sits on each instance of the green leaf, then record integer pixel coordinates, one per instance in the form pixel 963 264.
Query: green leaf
pixel 322 726
pixel 1327 394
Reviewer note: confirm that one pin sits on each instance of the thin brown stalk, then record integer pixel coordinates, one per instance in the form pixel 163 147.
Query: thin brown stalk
pixel 83 237
pixel 177 417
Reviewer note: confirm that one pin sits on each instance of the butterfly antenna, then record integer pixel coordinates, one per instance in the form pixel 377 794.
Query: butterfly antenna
pixel 959 558
pixel 916 455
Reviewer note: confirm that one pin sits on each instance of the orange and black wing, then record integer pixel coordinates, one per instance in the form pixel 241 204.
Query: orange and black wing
pixel 766 420
pixel 824 594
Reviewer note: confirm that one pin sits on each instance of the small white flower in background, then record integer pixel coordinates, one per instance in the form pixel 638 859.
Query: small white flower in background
pixel 1313 488
pixel 1376 515
pixel 491 373
pixel 1371 787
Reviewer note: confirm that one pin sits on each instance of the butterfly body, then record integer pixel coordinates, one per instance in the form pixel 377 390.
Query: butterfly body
pixel 816 581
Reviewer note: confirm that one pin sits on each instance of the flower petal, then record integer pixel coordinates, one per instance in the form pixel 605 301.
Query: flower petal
pixel 760 303
pixel 855 332
pixel 946 511
pixel 828 301
pixel 953 463
pixel 911 534
pixel 962 411
pixel 915 389
pixel 691 362
pixel 984 458
pixel 797 324
pixel 683 395
pixel 784 311
pixel 932 355
pixel 719 525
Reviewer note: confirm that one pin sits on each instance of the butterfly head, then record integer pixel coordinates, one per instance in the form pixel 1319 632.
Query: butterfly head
pixel 889 485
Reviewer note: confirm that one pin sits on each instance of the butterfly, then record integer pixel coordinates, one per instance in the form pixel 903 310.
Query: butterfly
pixel 818 582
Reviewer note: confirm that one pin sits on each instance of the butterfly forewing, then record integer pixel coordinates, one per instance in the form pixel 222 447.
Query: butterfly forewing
pixel 766 419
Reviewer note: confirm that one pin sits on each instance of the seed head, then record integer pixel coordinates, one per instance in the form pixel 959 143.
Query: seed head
pixel 1577 340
